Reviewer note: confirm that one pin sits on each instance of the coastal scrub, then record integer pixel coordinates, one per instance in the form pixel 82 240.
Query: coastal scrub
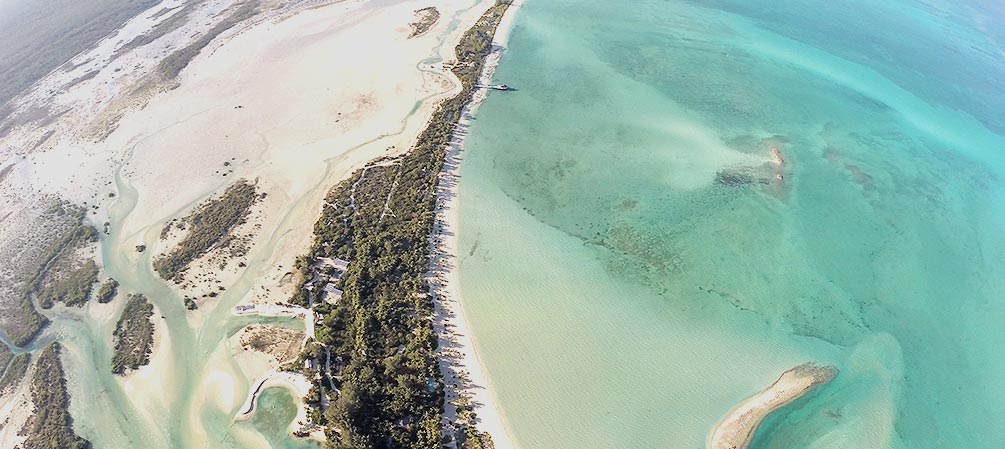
pixel 134 335
pixel 209 226
pixel 382 374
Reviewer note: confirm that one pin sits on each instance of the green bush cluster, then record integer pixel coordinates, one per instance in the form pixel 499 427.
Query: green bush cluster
pixel 5 356
pixel 72 288
pixel 16 368
pixel 134 335
pixel 80 235
pixel 207 226
pixel 50 425
pixel 172 65
pixel 107 291
pixel 427 18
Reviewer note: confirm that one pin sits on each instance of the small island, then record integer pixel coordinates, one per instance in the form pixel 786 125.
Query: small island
pixel 736 430
pixel 134 335
pixel 209 227
pixel 51 424
pixel 107 291
pixel 425 18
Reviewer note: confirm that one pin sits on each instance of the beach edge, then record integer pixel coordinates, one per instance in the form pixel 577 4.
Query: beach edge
pixel 457 349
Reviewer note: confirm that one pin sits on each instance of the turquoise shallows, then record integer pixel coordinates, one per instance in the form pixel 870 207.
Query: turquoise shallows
pixel 633 267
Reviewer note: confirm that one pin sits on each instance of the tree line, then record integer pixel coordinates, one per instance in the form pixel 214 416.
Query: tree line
pixel 388 388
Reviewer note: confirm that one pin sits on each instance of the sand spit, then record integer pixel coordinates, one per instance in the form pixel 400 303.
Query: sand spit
pixel 736 430
pixel 260 351
pixel 299 386
pixel 296 382
pixel 464 375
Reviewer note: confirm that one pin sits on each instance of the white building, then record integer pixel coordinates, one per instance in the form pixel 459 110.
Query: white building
pixel 332 294
pixel 338 264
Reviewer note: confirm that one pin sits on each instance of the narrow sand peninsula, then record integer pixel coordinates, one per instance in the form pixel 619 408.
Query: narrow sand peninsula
pixel 294 381
pixel 736 430
pixel 462 370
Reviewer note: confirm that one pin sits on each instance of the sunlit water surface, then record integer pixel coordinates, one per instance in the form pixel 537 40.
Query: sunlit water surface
pixel 625 293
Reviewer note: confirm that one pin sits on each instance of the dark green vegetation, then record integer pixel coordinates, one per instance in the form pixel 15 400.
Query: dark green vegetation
pixel 173 64
pixel 209 226
pixel 134 335
pixel 426 18
pixel 85 77
pixel 50 425
pixel 16 368
pixel 380 334
pixel 5 355
pixel 469 437
pixel 33 324
pixel 64 277
pixel 176 21
pixel 47 240
pixel 71 285
pixel 8 169
pixel 107 291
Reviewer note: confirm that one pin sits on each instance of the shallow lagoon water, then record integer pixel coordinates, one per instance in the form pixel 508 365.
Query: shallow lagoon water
pixel 622 295
pixel 277 409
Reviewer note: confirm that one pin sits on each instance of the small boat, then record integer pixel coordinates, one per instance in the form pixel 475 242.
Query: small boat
pixel 494 87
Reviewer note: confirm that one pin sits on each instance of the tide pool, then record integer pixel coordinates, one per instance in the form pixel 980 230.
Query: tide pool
pixel 633 264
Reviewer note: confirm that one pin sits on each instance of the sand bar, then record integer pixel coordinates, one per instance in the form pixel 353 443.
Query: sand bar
pixel 736 430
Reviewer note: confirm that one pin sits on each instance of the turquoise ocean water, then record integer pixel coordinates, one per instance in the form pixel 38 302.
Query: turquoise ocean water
pixel 633 268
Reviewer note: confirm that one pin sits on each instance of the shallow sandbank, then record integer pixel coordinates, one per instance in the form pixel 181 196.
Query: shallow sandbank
pixel 736 430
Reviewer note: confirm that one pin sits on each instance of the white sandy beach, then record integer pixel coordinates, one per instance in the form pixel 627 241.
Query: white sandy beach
pixel 462 370
pixel 15 408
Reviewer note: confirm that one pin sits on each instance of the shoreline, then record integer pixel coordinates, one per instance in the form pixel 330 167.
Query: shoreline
pixel 298 386
pixel 460 363
pixel 737 428
pixel 295 383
